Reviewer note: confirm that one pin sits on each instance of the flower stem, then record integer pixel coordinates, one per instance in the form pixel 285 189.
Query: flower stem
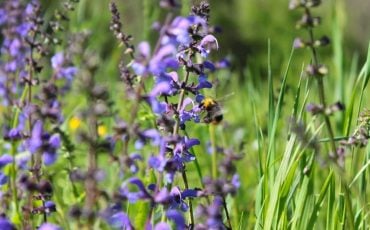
pixel 212 134
pixel 320 84
pixel 227 213
pixel 191 212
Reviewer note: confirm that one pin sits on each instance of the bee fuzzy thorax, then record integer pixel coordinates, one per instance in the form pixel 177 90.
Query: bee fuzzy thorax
pixel 208 102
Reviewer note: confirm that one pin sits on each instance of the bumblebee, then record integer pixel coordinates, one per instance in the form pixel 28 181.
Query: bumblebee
pixel 213 111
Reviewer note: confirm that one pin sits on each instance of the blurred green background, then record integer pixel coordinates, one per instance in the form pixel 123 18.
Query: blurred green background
pixel 246 26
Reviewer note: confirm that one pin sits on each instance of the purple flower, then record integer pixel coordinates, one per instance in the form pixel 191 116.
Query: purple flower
pixel 162 226
pixel 151 134
pixel 181 151
pixel 178 32
pixel 236 181
pixel 5 159
pixel 190 114
pixel 49 226
pixel 178 198
pixel 162 60
pixel 120 220
pixel 132 197
pixel 208 43
pixel 5 224
pixel 203 83
pixel 3 16
pixel 116 218
pixel 44 142
pixel 62 71
pixel 213 214
pixel 177 218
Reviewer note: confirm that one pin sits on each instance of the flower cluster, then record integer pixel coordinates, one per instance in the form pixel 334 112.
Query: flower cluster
pixel 166 81
pixel 34 111
pixel 177 68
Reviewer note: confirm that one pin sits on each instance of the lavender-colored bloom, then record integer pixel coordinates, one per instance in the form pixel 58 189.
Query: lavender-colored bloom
pixel 134 196
pixel 62 71
pixel 120 220
pixel 5 159
pixel 50 207
pixel 209 65
pixel 181 151
pixel 3 179
pixel 203 83
pixel 208 43
pixel 44 142
pixel 163 59
pixel 49 155
pixel 178 198
pixel 236 181
pixel 116 218
pixel 5 224
pixel 178 32
pixel 3 16
pixel 16 133
pixel 214 220
pixel 177 218
pixel 191 114
pixel 35 142
pixel 222 64
pixel 151 134
pixel 162 226
pixel 49 226
pixel 212 214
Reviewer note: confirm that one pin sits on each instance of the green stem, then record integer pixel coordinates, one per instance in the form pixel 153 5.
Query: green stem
pixel 320 84
pixel 212 135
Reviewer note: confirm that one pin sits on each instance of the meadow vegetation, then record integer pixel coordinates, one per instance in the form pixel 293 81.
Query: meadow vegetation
pixel 200 115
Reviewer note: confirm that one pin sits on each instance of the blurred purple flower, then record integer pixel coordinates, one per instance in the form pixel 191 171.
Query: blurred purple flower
pixel 49 226
pixel 162 226
pixel 177 218
pixel 5 224
pixel 58 63
pixel 236 181
pixel 203 83
pixel 132 197
pixel 5 159
pixel 120 220
pixel 44 142
pixel 151 134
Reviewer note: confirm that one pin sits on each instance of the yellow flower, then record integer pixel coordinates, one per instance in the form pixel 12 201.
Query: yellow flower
pixel 74 123
pixel 102 130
